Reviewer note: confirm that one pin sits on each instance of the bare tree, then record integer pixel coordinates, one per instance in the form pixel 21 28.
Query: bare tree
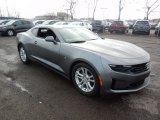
pixel 121 6
pixel 8 13
pixel 17 14
pixel 1 14
pixel 72 4
pixel 151 7
pixel 95 2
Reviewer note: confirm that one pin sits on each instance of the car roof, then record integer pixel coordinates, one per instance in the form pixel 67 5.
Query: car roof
pixel 143 20
pixel 57 26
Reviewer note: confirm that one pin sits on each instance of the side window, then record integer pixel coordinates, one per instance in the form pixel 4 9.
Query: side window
pixel 17 23
pixel 26 22
pixel 81 24
pixel 44 32
pixel 35 31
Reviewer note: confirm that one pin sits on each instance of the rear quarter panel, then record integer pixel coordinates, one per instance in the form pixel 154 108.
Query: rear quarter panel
pixel 25 39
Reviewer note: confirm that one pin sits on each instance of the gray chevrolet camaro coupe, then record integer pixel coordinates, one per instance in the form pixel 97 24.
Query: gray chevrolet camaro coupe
pixel 95 65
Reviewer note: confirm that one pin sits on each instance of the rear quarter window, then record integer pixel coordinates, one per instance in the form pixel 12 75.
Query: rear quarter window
pixel 35 31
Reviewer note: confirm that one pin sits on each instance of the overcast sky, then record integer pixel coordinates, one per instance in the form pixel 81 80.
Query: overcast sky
pixel 134 9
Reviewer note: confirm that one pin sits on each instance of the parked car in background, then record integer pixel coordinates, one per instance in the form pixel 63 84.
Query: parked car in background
pixel 50 22
pixel 15 26
pixel 153 25
pixel 95 66
pixel 82 24
pixel 157 30
pixel 61 23
pixel 130 24
pixel 141 26
pixel 3 22
pixel 119 26
pixel 98 25
pixel 38 22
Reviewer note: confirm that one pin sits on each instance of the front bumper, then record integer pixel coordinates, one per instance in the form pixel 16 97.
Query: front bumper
pixel 117 82
pixel 2 31
pixel 141 29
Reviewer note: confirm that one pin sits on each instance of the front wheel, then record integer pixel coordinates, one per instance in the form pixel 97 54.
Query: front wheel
pixel 10 33
pixel 148 33
pixel 85 79
pixel 23 55
pixel 133 32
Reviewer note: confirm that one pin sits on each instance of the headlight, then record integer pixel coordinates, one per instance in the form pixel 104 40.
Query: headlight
pixel 121 68
pixel 131 68
pixel 3 27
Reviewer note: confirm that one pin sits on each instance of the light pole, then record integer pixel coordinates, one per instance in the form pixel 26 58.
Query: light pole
pixel 67 13
pixel 103 11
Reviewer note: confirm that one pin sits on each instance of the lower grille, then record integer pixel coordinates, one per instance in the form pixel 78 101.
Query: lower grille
pixel 126 85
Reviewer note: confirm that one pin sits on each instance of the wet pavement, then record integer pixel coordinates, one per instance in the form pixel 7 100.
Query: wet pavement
pixel 34 92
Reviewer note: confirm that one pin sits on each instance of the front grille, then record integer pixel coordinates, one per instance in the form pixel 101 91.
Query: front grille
pixel 133 69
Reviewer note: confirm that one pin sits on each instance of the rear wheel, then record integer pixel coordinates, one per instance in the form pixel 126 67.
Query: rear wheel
pixel 85 79
pixel 23 55
pixel 158 33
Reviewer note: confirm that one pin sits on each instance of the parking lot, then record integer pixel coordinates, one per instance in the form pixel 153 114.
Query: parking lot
pixel 36 93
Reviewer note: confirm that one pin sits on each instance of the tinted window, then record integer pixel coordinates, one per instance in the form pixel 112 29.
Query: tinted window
pixel 97 22
pixel 44 32
pixel 4 22
pixel 39 22
pixel 17 23
pixel 118 22
pixel 52 22
pixel 26 22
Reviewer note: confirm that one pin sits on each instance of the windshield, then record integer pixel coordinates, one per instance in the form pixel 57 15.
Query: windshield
pixel 46 22
pixel 142 23
pixel 97 22
pixel 75 23
pixel 10 22
pixel 77 34
pixel 4 22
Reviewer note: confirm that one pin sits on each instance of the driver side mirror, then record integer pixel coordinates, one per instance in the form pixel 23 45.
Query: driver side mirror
pixel 50 39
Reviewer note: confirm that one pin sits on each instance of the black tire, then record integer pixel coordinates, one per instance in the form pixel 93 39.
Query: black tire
pixel 157 33
pixel 26 60
pixel 10 32
pixel 123 32
pixel 95 90
pixel 148 33
pixel 133 32
pixel 127 31
pixel 111 32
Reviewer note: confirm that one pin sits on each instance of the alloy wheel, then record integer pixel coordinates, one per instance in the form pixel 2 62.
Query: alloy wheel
pixel 10 32
pixel 23 54
pixel 84 79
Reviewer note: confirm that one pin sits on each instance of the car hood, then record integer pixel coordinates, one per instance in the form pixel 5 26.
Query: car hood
pixel 113 48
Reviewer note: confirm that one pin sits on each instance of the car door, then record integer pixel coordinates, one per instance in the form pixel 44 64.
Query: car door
pixel 26 25
pixel 46 52
pixel 18 26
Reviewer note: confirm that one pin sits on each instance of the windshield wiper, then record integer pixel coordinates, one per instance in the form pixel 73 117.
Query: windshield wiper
pixel 77 42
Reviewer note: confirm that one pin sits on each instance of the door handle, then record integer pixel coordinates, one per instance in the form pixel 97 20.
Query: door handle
pixel 35 42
